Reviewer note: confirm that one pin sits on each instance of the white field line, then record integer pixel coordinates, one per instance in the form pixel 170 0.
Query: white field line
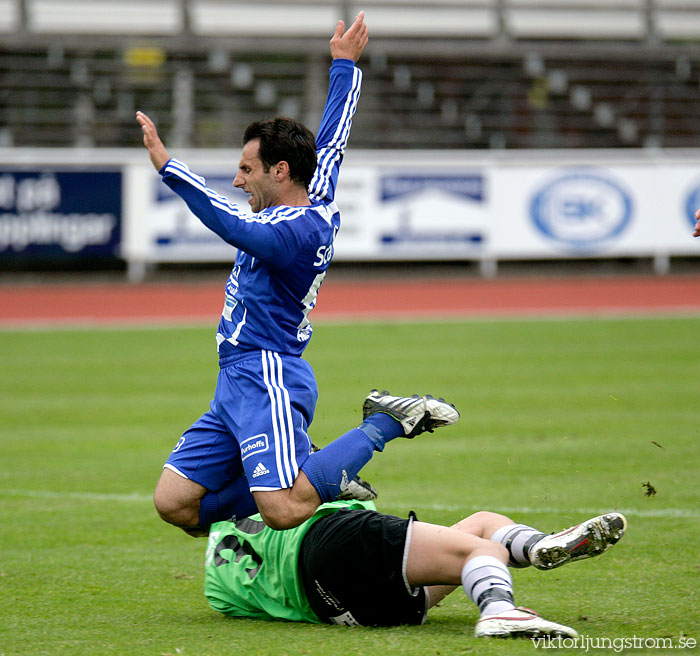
pixel 344 319
pixel 515 510
pixel 136 497
pixel 132 497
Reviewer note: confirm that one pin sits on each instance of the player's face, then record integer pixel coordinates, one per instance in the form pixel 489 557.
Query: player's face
pixel 254 180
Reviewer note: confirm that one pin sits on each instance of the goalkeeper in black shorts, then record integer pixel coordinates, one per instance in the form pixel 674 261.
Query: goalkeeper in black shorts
pixel 349 564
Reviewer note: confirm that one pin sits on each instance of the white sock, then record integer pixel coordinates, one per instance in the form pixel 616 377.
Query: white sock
pixel 487 582
pixel 517 538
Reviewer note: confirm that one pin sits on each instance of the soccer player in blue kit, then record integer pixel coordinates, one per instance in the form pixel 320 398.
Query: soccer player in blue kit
pixel 251 451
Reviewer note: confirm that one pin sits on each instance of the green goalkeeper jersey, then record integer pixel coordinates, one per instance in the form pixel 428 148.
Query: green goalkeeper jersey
pixel 252 570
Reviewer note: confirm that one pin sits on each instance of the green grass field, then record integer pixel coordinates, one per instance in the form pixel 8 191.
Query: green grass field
pixel 560 420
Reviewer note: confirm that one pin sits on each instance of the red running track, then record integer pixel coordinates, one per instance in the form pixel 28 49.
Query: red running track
pixel 361 299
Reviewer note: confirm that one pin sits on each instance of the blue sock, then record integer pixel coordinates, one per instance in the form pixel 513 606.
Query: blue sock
pixel 345 456
pixel 232 499
pixel 381 428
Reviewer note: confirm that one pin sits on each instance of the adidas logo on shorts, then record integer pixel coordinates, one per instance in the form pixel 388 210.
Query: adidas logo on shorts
pixel 259 470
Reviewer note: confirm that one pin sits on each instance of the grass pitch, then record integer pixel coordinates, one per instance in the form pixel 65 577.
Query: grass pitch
pixel 560 420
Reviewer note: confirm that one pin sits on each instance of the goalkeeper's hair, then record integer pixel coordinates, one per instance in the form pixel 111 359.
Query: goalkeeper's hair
pixel 285 140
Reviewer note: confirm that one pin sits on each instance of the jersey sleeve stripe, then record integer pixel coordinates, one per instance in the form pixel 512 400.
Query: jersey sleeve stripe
pixel 182 171
pixel 329 158
pixel 348 110
pixel 287 214
pixel 345 133
pixel 330 154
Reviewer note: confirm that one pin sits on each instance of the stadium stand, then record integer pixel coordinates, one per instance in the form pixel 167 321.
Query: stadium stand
pixel 446 73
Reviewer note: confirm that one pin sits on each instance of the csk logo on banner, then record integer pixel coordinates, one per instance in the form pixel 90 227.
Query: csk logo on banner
pixel 581 211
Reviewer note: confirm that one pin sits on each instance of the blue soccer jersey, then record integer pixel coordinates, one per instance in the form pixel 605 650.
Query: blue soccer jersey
pixel 283 251
pixel 266 394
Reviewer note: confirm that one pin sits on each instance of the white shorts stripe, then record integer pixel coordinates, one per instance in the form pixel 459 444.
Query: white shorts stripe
pixel 281 415
pixel 291 460
pixel 273 413
pixel 285 416
pixel 281 427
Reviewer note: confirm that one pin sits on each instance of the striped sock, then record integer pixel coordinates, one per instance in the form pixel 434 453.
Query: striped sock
pixel 487 582
pixel 518 539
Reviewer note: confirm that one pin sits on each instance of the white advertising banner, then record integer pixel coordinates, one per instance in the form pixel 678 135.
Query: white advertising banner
pixel 676 207
pixel 569 212
pixel 506 210
pixel 631 210
pixel 438 205
pixel 404 214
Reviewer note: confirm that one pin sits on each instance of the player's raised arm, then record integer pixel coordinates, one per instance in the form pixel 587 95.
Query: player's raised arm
pixel 696 232
pixel 156 149
pixel 350 44
pixel 343 94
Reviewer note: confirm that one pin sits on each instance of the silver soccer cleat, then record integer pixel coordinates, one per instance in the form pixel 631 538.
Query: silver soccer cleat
pixel 520 622
pixel 586 540
pixel 416 414
pixel 358 489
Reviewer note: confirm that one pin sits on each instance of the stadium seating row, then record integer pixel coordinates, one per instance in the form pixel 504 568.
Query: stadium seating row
pixel 204 83
pixel 520 19
pixel 62 96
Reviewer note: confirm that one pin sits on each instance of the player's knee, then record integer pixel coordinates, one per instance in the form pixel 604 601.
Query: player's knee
pixel 281 520
pixel 177 499
pixel 472 546
pixel 283 516
pixel 498 551
pixel 173 511
pixel 488 517
pixel 482 523
pixel 489 548
pixel 285 509
pixel 477 519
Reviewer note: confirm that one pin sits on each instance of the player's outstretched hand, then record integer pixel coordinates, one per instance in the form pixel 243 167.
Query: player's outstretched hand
pixel 350 44
pixel 156 149
pixel 696 232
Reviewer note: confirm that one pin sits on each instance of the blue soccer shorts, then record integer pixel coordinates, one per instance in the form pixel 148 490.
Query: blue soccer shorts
pixel 257 425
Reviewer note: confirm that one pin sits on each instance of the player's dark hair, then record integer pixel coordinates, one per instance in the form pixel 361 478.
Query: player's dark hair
pixel 284 139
